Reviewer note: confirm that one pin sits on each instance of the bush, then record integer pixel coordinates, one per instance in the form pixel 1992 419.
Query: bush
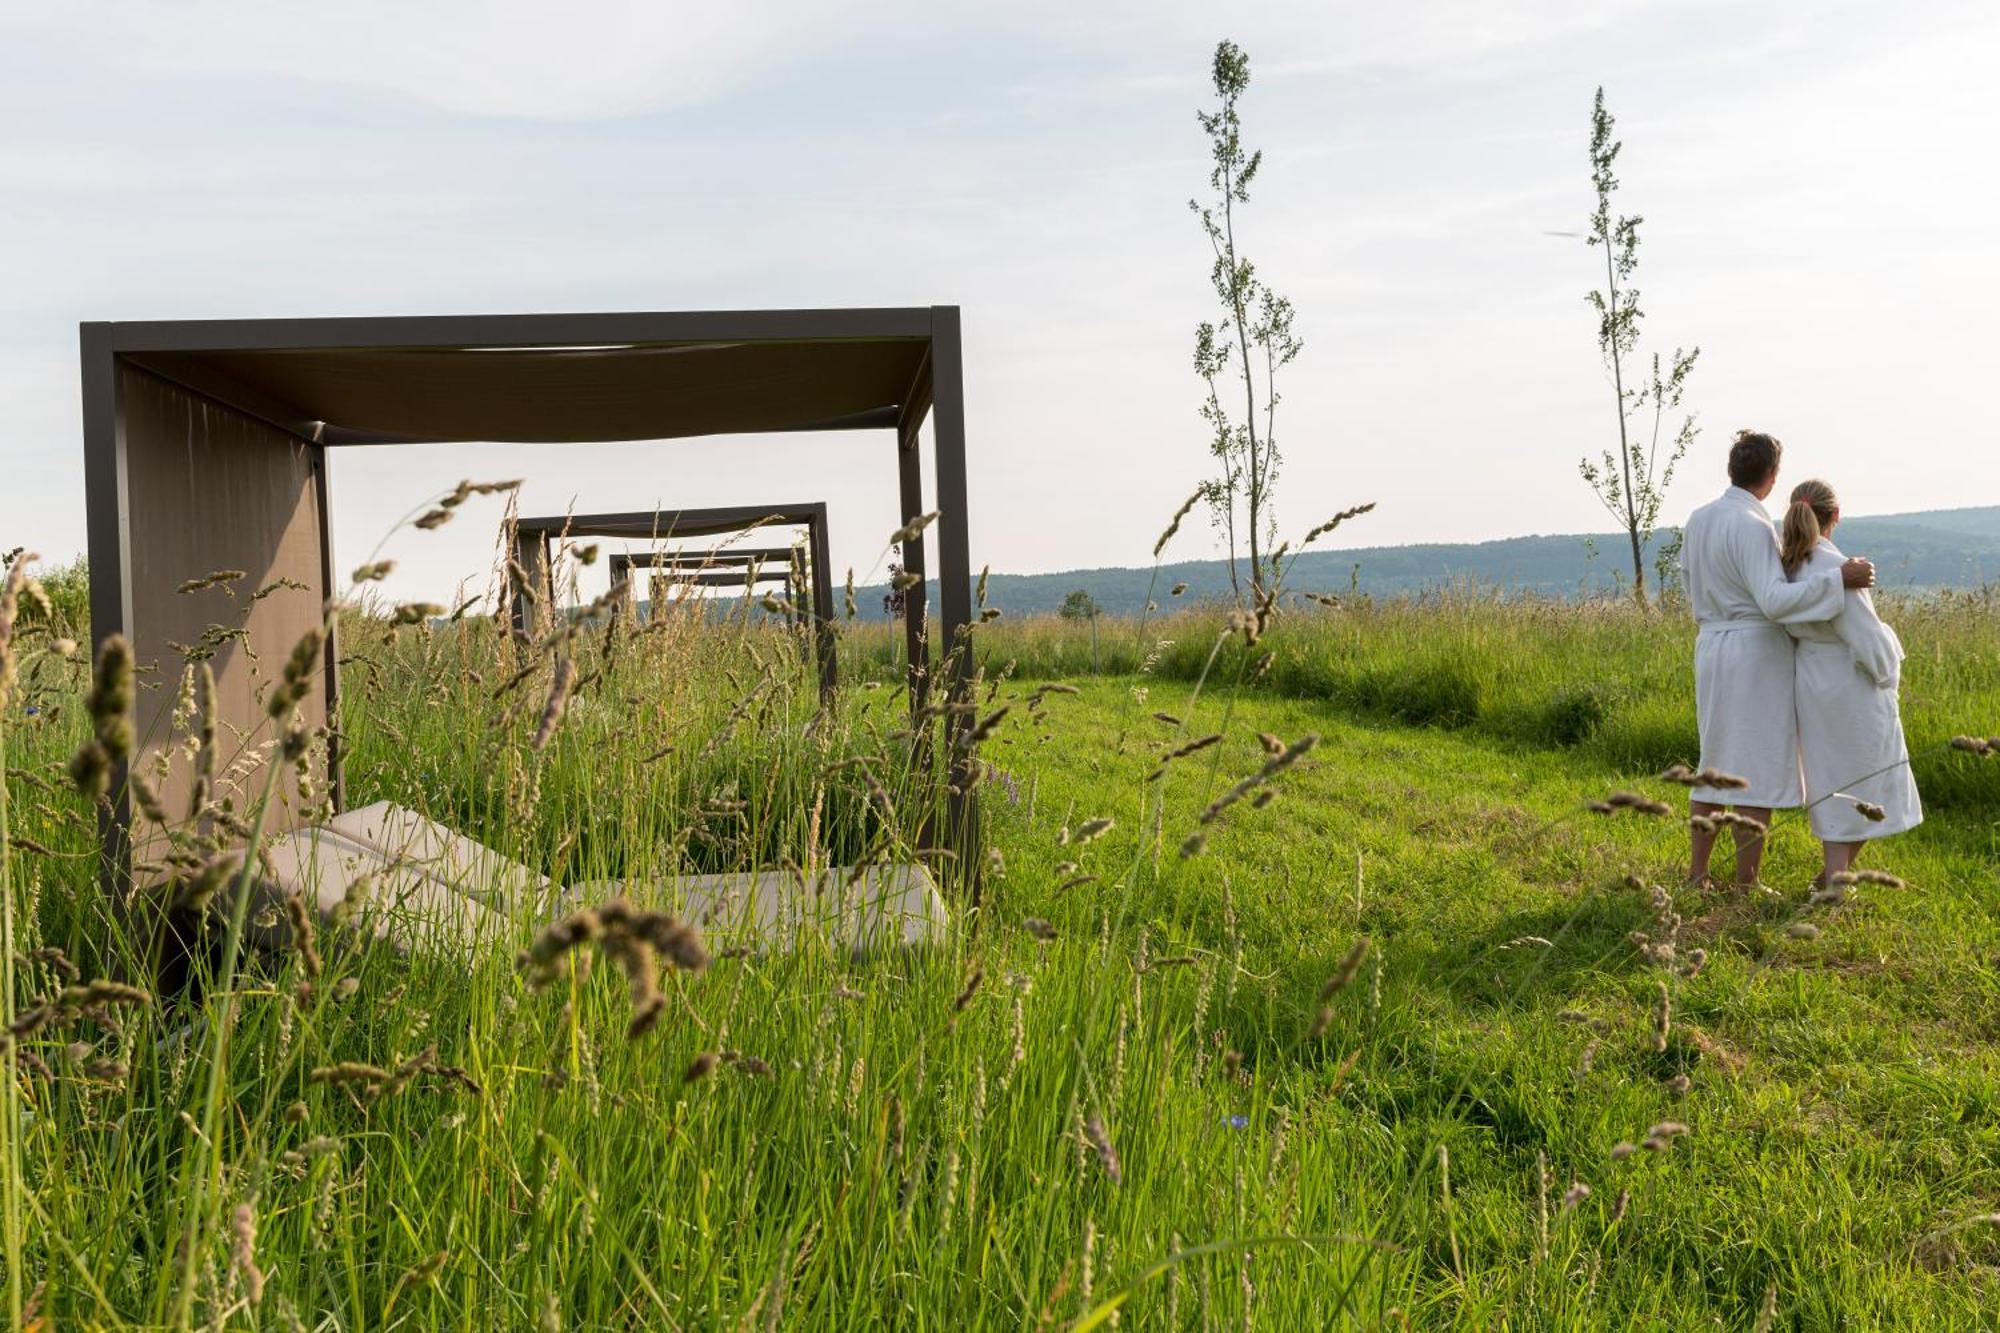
pixel 1427 694
pixel 1573 716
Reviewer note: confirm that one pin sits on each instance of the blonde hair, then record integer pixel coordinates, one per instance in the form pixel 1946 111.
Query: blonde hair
pixel 1813 510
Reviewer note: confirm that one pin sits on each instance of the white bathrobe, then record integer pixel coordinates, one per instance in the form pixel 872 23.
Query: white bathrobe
pixel 1742 658
pixel 1850 729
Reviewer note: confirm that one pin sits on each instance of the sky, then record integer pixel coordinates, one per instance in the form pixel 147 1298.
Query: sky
pixel 1816 179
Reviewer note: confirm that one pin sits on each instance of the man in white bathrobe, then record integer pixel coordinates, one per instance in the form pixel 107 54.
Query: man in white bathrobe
pixel 1742 658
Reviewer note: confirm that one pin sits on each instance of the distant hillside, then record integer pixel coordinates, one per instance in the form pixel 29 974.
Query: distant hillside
pixel 1937 549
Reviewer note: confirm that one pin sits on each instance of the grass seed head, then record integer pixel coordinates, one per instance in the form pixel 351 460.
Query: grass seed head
pixel 971 988
pixel 556 704
pixel 1100 1144
pixel 1174 526
pixel 243 1252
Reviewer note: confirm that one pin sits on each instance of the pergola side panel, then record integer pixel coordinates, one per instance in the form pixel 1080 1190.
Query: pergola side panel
pixel 221 491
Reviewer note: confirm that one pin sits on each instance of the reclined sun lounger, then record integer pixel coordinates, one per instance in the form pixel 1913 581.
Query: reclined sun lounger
pixel 413 883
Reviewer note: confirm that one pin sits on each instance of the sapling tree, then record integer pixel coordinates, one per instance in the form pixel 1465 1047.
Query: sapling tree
pixel 1631 481
pixel 1253 340
pixel 1079 605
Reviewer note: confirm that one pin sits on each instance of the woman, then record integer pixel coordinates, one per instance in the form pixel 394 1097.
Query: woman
pixel 1857 766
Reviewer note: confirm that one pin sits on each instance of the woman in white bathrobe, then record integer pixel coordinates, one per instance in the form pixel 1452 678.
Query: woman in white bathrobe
pixel 1858 783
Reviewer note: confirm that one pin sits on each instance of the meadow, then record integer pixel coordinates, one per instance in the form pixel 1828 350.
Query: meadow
pixel 1354 1016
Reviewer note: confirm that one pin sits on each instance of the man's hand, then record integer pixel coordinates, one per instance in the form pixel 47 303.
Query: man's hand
pixel 1858 573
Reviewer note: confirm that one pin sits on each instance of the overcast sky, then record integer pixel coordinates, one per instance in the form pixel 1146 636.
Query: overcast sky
pixel 1817 180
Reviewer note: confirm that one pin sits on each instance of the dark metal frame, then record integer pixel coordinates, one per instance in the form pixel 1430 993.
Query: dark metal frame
pixel 722 568
pixel 936 392
pixel 533 536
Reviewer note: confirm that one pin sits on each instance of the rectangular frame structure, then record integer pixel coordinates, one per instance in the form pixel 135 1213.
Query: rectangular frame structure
pixel 532 537
pixel 204 450
pixel 719 568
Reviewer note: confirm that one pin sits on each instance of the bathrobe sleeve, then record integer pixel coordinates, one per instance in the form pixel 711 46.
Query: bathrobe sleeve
pixel 1877 650
pixel 1755 546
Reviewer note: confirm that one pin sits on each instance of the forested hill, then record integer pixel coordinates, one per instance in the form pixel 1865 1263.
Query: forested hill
pixel 1936 549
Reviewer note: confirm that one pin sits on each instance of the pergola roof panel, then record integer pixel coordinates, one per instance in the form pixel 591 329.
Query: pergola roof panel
pixel 567 393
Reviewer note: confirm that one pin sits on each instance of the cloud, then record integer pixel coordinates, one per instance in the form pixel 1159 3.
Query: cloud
pixel 528 58
pixel 604 58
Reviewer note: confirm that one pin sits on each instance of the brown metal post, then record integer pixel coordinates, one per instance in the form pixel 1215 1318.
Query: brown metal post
pixel 954 581
pixel 822 596
pixel 916 649
pixel 107 519
pixel 336 769
pixel 531 553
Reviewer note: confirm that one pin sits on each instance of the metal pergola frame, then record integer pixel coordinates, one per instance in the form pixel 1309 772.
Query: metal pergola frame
pixel 533 538
pixel 718 568
pixel 205 449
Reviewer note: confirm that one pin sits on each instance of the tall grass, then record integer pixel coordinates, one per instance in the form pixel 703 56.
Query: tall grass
pixel 1181 1091
pixel 1607 680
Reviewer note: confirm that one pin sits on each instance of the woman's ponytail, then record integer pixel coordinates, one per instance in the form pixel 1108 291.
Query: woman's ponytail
pixel 1811 513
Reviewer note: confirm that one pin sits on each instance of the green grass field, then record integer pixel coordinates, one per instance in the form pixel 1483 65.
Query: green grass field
pixel 1128 1089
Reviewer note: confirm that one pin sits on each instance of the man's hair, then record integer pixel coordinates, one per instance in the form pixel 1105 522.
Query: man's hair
pixel 1753 459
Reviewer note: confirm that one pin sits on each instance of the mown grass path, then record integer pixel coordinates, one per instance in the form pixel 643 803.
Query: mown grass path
pixel 1842 1092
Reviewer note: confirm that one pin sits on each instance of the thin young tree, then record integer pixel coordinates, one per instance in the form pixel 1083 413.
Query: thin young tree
pixel 1631 482
pixel 1253 338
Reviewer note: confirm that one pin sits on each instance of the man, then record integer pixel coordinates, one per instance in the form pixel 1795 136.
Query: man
pixel 1742 658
